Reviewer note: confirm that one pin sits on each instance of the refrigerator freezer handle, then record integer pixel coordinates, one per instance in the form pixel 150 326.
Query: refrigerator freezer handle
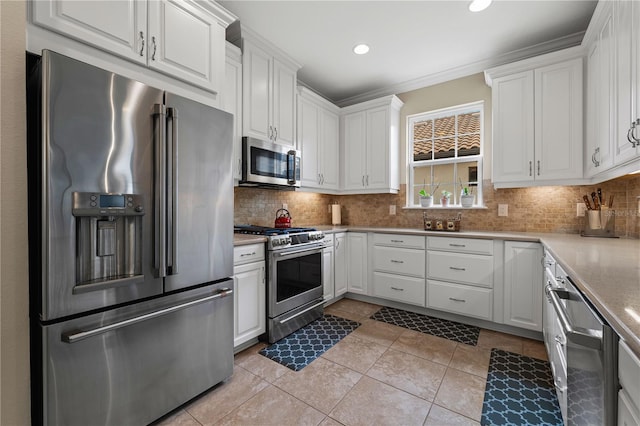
pixel 172 192
pixel 160 186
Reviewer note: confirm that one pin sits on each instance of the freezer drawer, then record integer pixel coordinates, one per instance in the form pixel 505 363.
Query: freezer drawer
pixel 132 365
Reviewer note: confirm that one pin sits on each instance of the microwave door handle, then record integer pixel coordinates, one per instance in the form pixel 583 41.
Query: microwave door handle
pixel 172 191
pixel 291 167
pixel 581 337
pixel 160 183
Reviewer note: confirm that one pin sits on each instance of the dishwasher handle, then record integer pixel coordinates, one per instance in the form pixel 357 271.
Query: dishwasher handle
pixel 75 336
pixel 580 336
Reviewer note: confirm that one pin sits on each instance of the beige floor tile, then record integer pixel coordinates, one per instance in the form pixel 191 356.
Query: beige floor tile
pixel 321 384
pixel 262 366
pixel 462 393
pixel 273 406
pixel 374 403
pixel 355 353
pixel 328 421
pixel 223 399
pixel 439 416
pixel 362 309
pixel 241 356
pixel 494 339
pixel 343 314
pixel 534 349
pixel 409 373
pixel 425 346
pixel 180 418
pixel 471 359
pixel 380 332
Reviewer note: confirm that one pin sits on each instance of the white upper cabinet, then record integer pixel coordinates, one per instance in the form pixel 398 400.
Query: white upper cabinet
pixel 318 141
pixel 538 120
pixel 269 93
pixel 370 146
pixel 231 101
pixel 183 39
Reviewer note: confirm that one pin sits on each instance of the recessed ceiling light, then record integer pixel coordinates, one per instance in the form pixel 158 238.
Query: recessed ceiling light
pixel 360 49
pixel 479 5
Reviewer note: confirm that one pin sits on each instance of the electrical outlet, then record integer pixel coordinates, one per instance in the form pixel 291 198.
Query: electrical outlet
pixel 392 209
pixel 580 209
pixel 503 209
pixel 285 206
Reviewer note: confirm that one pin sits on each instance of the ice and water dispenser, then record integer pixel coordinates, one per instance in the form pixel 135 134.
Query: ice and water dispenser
pixel 108 240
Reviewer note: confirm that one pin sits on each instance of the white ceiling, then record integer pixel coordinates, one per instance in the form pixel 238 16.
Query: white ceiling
pixel 413 43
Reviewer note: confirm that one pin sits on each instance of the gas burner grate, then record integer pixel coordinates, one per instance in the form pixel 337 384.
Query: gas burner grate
pixel 265 230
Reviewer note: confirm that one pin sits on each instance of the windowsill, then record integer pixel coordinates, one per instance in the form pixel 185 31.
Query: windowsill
pixel 455 207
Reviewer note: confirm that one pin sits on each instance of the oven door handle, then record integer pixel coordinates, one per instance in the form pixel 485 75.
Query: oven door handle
pixel 316 249
pixel 301 312
pixel 579 336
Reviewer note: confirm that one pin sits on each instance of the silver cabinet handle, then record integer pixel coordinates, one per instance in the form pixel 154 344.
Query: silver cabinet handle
pixel 538 167
pixel 319 180
pixel 397 261
pixel 454 268
pixel 270 132
pixel 362 180
pixel 530 170
pixel 367 180
pixel 253 253
pixel 73 337
pixel 275 133
pixel 397 241
pixel 160 182
pixel 153 55
pixel 457 300
pixel 142 43
pixel 596 152
pixel 397 289
pixel 457 245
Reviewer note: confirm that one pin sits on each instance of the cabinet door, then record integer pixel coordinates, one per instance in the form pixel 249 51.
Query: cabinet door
pixel 231 102
pixel 377 151
pixel 340 264
pixel 357 262
pixel 513 140
pixel 284 104
pixel 523 285
pixel 558 121
pixel 328 273
pixel 186 42
pixel 328 149
pixel 119 27
pixel 354 130
pixel 256 88
pixel 308 140
pixel 250 302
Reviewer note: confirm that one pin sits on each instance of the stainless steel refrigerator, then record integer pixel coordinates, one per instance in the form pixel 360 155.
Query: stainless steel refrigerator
pixel 131 245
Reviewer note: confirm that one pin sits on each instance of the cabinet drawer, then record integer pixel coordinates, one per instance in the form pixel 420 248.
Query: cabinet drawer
pixel 461 245
pixel 403 289
pixel 395 240
pixel 399 261
pixel 464 268
pixel 248 253
pixel 462 299
pixel 328 239
pixel 629 373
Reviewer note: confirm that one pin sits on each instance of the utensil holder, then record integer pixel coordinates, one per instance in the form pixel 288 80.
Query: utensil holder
pixel 600 223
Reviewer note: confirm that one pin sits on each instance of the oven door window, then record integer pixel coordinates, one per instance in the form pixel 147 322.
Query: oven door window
pixel 298 275
pixel 268 163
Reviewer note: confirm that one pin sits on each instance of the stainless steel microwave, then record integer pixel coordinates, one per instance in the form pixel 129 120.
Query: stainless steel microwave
pixel 269 164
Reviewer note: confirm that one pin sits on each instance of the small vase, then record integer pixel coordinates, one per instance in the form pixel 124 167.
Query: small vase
pixel 444 202
pixel 426 201
pixel 466 200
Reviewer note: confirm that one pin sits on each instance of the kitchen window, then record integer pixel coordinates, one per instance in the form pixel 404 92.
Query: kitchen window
pixel 445 154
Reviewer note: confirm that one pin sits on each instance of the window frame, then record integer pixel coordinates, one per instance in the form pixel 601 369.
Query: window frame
pixel 412 165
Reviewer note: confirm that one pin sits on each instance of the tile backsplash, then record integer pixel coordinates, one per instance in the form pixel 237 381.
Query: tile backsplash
pixel 538 209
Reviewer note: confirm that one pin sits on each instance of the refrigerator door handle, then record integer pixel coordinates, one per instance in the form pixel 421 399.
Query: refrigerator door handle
pixel 75 336
pixel 172 192
pixel 160 186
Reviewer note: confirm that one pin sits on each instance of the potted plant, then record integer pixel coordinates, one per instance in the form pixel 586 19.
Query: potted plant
pixel 446 196
pixel 426 199
pixel 466 197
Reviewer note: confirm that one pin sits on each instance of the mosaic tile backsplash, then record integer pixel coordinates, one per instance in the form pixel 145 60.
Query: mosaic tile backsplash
pixel 539 209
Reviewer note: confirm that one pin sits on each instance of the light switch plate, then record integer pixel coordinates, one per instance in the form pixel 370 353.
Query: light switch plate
pixel 285 206
pixel 503 209
pixel 392 209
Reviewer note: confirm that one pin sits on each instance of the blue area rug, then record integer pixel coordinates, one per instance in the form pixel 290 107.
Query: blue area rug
pixel 461 333
pixel 519 391
pixel 298 349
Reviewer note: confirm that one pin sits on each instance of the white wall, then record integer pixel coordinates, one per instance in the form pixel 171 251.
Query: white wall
pixel 14 289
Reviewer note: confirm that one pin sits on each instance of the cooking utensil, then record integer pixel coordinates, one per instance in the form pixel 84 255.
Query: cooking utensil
pixel 283 219
pixel 599 191
pixel 587 202
pixel 610 200
pixel 596 203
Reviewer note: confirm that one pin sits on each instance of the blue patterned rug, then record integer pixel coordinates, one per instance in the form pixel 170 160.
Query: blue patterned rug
pixel 461 333
pixel 519 391
pixel 298 349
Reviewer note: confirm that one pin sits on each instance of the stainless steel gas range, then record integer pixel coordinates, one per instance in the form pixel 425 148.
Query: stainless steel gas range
pixel 294 268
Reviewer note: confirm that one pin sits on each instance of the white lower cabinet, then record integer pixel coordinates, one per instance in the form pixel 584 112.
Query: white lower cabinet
pixel 460 274
pixel 396 287
pixel 340 263
pixel 357 262
pixel 523 285
pixel 629 394
pixel 249 319
pixel 328 273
